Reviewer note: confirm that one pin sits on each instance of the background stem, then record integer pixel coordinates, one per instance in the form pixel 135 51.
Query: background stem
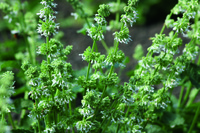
pixel 194 120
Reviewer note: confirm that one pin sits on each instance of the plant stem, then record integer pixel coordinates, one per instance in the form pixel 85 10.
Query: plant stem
pixel 187 94
pixel 105 46
pixel 180 96
pixel 89 65
pixel 48 119
pixel 192 99
pixel 39 128
pixel 117 14
pixel 29 49
pixel 11 120
pixel 104 90
pixel 2 117
pixel 182 90
pixel 117 128
pixel 48 49
pixel 102 41
pixel 70 112
pixel 195 119
pixel 162 30
pixel 110 73
pixel 23 110
pixel 22 22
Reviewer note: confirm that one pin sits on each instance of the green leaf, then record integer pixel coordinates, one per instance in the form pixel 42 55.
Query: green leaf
pixel 83 30
pixel 173 120
pixel 174 101
pixel 27 122
pixel 127 60
pixel 138 53
pixel 83 71
pixel 10 63
pixel 193 72
pixel 194 106
pixel 154 129
pixel 78 89
pixel 23 104
pixel 20 90
pixel 192 96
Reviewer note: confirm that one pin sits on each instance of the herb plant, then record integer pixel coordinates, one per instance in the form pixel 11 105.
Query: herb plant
pixel 107 104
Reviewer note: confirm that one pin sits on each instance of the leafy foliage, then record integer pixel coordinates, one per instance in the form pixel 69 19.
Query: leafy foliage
pixel 106 105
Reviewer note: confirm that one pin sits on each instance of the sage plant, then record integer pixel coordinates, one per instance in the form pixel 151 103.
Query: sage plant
pixel 51 88
pixel 133 106
pixel 6 90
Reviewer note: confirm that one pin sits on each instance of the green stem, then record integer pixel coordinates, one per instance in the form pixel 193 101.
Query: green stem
pixel 88 70
pixel 191 100
pixel 111 107
pixel 110 73
pixel 127 111
pixel 117 128
pixel 161 32
pixel 29 49
pixel 105 46
pixel 22 22
pixel 117 14
pixel 2 117
pixel 182 90
pixel 106 126
pixel 180 96
pixel 194 120
pixel 198 62
pixel 89 65
pixel 48 118
pixel 163 28
pixel 117 17
pixel 70 112
pixel 187 94
pixel 23 110
pixel 102 41
pixel 48 49
pixel 36 106
pixel 86 19
pixel 11 120
pixel 105 87
pixel 39 128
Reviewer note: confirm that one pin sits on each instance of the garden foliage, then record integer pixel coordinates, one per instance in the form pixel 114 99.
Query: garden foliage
pixel 51 86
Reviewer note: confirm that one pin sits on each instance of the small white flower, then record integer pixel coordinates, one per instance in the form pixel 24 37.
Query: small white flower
pixel 75 15
pixel 43 3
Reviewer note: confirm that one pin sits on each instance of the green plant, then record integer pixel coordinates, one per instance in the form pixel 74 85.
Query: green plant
pixel 107 105
pixel 6 90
